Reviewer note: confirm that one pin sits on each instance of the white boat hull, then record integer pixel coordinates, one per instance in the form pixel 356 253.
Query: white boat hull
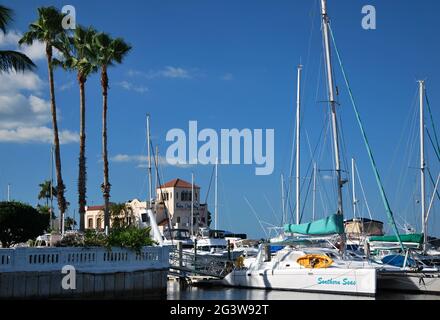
pixel 422 282
pixel 330 280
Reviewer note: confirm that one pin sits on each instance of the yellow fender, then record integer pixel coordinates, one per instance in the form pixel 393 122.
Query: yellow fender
pixel 315 261
pixel 239 263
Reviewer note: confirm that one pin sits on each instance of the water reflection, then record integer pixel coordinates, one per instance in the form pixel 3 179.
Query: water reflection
pixel 221 293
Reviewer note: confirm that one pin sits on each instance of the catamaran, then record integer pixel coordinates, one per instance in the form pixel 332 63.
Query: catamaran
pixel 314 259
pixel 311 262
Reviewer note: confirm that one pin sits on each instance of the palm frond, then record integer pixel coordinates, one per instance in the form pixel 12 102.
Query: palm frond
pixel 5 17
pixel 15 61
pixel 47 28
pixel 110 50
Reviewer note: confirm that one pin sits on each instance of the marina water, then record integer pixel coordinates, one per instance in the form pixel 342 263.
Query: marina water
pixel 175 292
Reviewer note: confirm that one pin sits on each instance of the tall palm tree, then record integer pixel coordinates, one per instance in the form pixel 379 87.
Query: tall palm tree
pixel 12 60
pixel 46 192
pixel 78 55
pixel 108 51
pixel 48 29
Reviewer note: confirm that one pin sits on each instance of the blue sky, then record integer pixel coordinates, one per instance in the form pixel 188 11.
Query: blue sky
pixel 232 64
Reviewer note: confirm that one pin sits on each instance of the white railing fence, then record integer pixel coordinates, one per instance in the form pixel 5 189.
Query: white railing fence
pixel 91 260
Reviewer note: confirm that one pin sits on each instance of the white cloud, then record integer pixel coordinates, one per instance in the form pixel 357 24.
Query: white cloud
pixel 11 38
pixel 167 72
pixel 131 87
pixel 227 77
pixel 35 134
pixel 172 72
pixel 128 158
pixel 36 51
pixel 24 116
pixel 141 161
pixel 66 86
pixel 16 110
pixel 14 82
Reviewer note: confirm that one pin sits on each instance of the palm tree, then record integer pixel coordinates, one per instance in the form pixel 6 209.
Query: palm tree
pixel 48 29
pixel 78 56
pixel 12 60
pixel 108 51
pixel 46 192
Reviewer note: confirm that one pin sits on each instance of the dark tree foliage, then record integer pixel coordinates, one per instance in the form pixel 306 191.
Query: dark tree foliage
pixel 20 222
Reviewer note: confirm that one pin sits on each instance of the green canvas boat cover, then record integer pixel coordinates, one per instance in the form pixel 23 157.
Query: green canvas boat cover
pixel 409 238
pixel 331 225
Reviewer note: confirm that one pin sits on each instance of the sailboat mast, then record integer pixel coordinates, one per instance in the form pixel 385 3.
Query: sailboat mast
pixel 298 132
pixel 216 196
pixel 422 162
pixel 192 204
pixel 51 187
pixel 353 168
pixel 332 101
pixel 283 199
pixel 149 163
pixel 157 170
pixel 314 191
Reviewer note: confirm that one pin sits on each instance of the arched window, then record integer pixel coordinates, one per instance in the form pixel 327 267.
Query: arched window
pixel 98 224
pixel 90 223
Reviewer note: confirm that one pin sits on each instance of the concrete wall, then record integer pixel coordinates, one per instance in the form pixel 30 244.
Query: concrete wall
pixel 27 273
pixel 150 284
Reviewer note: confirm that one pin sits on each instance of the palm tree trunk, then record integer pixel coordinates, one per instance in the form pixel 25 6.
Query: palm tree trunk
pixel 106 185
pixel 82 157
pixel 60 185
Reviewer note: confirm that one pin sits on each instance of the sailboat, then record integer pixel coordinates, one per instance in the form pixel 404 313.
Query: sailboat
pixel 314 259
pixel 419 270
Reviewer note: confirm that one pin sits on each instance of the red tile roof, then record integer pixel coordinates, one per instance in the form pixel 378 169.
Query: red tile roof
pixel 178 183
pixel 95 208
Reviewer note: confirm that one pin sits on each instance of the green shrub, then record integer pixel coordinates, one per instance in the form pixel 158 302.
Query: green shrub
pixel 130 237
pixel 125 237
pixel 20 222
pixel 94 239
pixel 72 240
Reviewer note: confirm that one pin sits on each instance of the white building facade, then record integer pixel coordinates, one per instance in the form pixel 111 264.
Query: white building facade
pixel 172 207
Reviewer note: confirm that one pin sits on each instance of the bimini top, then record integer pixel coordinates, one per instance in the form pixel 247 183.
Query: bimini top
pixel 331 225
pixel 408 238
